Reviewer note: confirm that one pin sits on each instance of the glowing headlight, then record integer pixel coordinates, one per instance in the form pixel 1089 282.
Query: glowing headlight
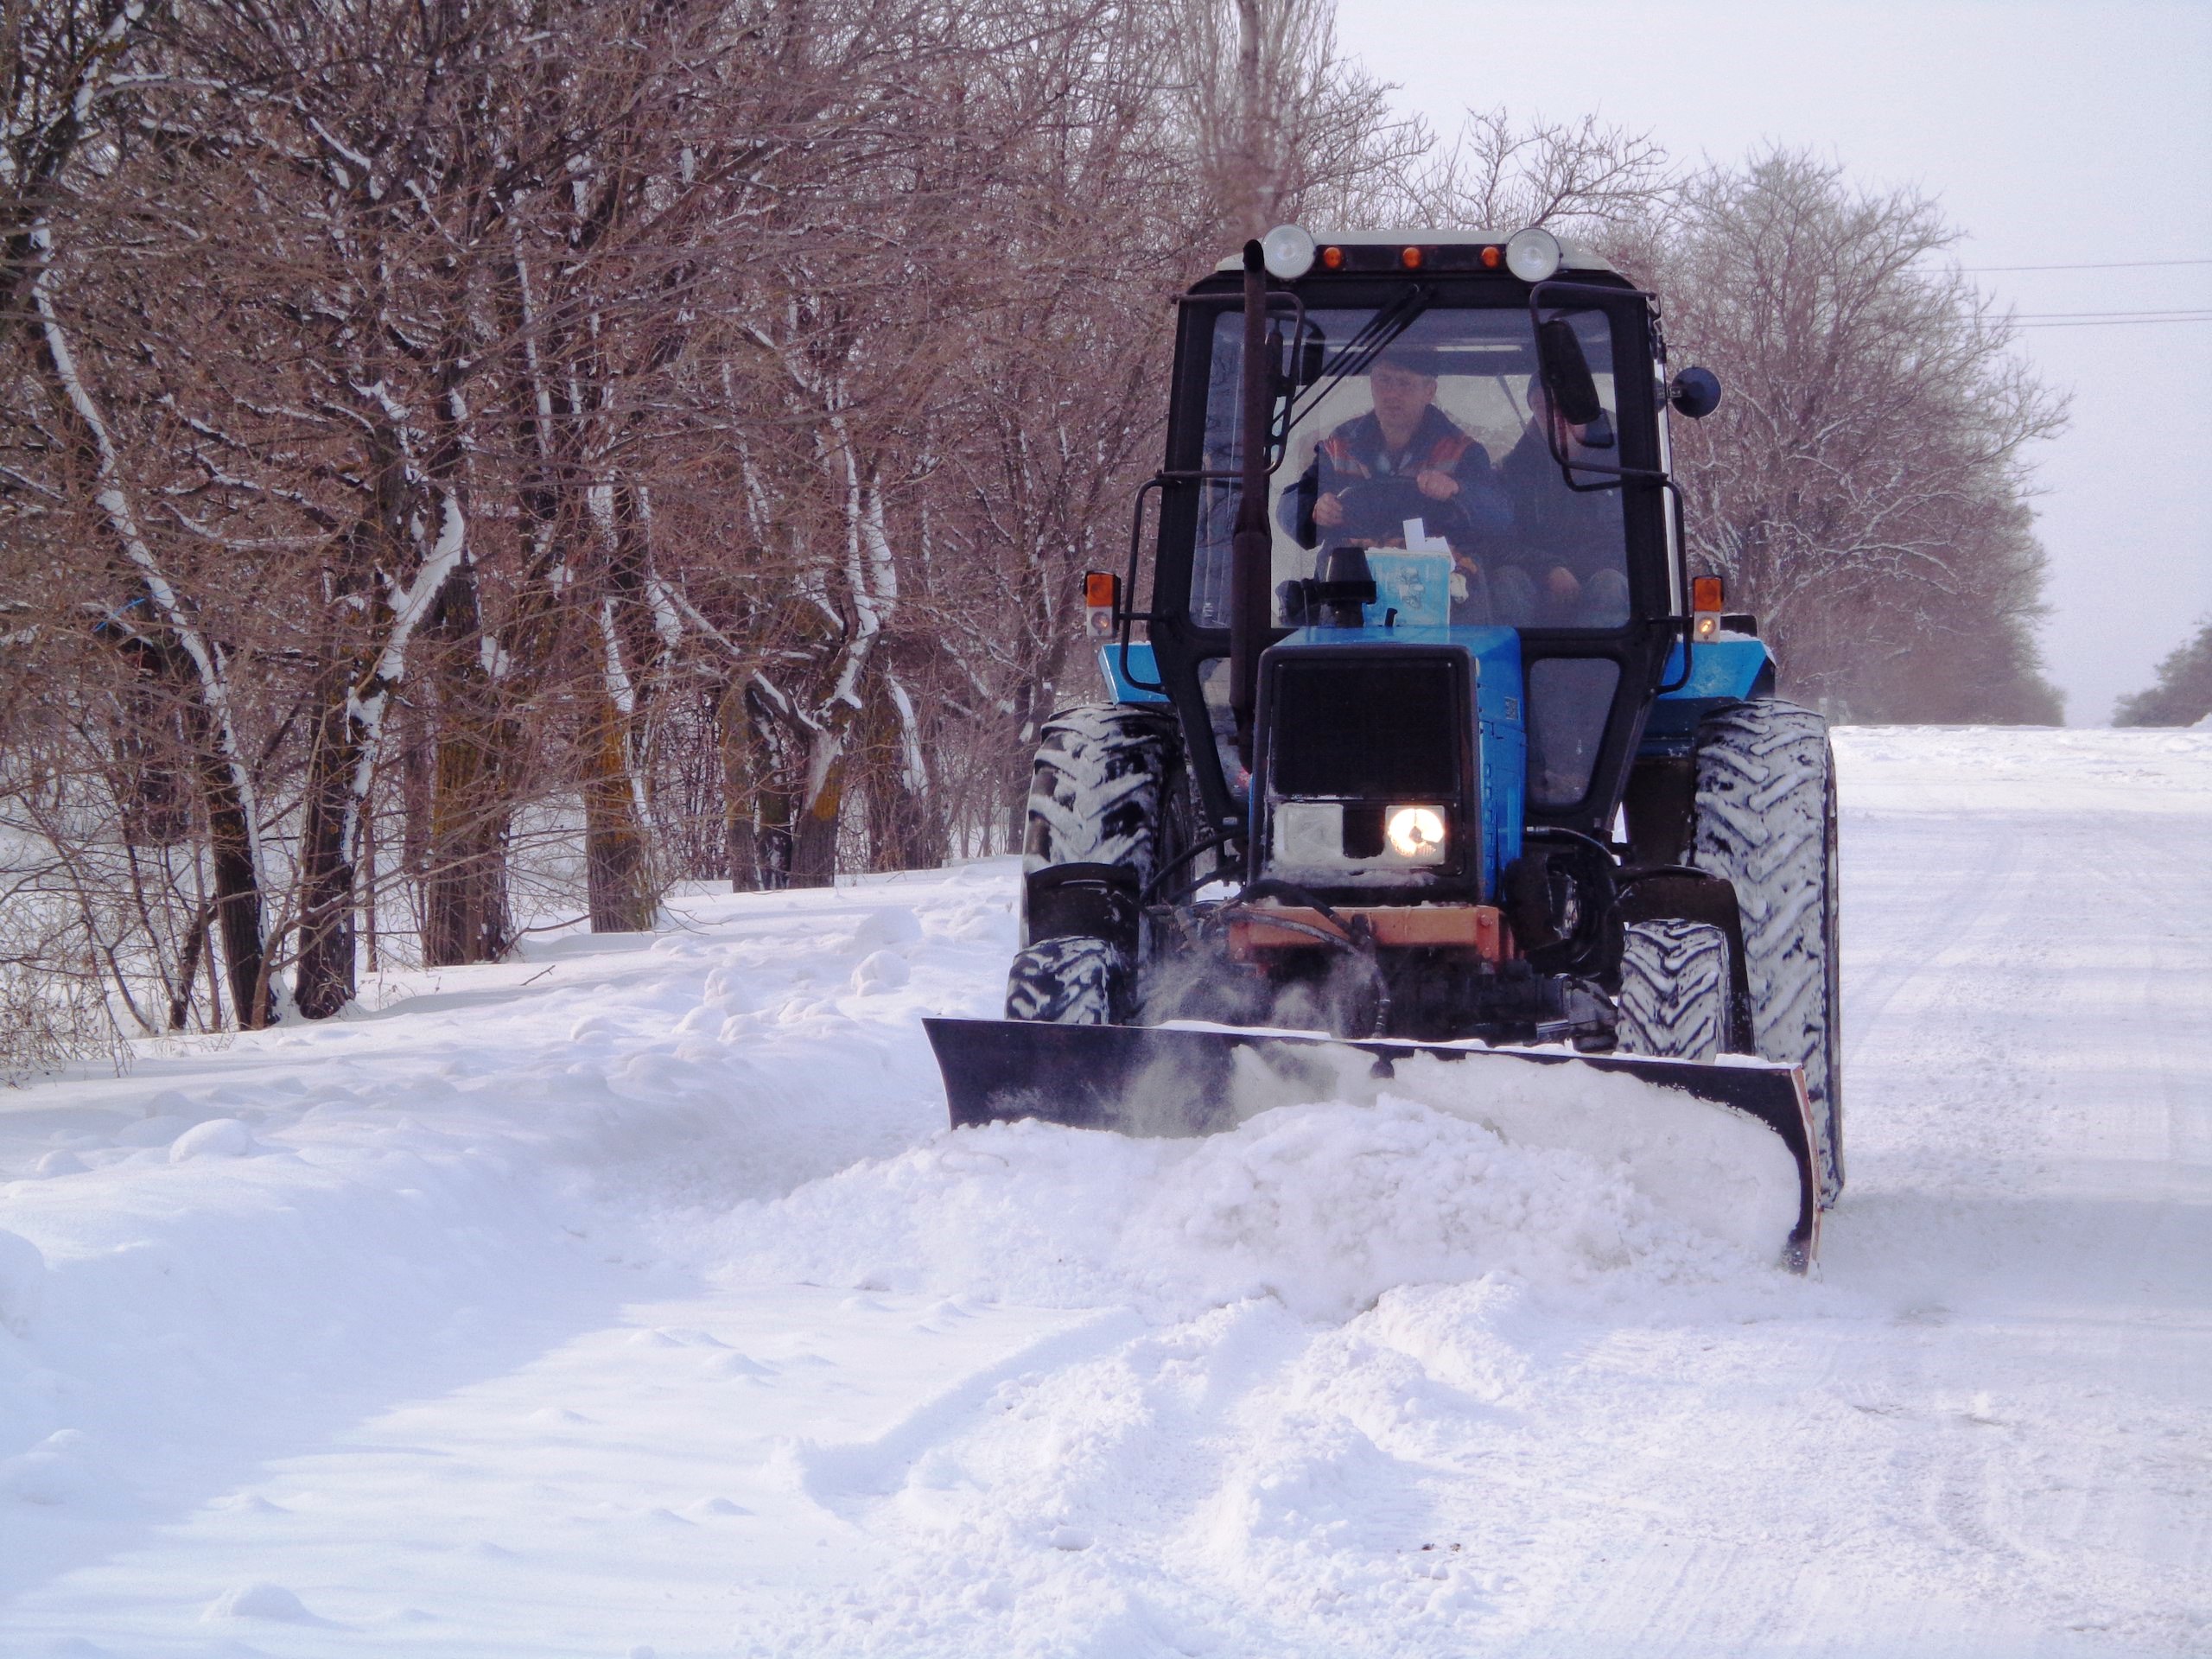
pixel 1415 832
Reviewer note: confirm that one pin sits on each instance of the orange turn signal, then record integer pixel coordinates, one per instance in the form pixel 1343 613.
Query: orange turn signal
pixel 1410 258
pixel 1332 258
pixel 1492 257
pixel 1102 597
pixel 1705 606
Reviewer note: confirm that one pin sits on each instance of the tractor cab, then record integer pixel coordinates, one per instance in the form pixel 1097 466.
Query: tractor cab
pixel 1486 454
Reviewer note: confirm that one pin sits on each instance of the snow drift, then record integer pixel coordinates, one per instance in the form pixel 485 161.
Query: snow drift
pixel 1548 1174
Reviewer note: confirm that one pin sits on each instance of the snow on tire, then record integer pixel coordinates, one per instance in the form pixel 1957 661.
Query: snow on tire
pixel 1765 819
pixel 1100 788
pixel 1073 980
pixel 1674 1000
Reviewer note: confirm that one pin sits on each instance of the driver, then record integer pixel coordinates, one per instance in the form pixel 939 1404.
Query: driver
pixel 1407 459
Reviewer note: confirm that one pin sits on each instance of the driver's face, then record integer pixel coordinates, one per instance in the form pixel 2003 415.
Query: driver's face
pixel 1400 394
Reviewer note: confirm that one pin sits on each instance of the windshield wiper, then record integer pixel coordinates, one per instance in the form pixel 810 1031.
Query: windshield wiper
pixel 1362 348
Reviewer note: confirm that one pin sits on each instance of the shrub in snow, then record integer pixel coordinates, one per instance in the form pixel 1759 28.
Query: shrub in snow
pixel 272 1601
pixel 883 971
pixel 53 1471
pixel 219 1137
pixel 892 925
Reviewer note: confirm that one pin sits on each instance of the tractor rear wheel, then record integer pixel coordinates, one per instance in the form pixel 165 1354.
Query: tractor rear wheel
pixel 1765 819
pixel 1108 788
pixel 1674 1000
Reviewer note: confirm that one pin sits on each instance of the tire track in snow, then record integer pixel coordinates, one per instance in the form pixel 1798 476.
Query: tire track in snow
pixel 1876 976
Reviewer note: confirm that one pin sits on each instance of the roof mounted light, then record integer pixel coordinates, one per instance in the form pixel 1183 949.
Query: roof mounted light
pixel 1288 252
pixel 1532 255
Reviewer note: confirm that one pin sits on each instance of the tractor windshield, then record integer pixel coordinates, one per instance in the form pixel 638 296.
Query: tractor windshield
pixel 1431 454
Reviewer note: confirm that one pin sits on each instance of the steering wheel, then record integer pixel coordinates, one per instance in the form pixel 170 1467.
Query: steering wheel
pixel 1378 507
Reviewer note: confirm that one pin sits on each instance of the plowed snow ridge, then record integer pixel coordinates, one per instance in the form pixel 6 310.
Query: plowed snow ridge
pixel 629 1298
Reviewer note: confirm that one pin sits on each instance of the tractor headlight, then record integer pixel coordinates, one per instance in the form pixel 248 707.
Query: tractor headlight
pixel 1288 252
pixel 1415 833
pixel 1533 254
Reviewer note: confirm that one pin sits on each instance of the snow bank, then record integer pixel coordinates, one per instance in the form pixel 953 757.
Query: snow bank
pixel 1449 1171
pixel 2014 769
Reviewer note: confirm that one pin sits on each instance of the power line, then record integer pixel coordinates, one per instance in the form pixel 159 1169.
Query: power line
pixel 2116 322
pixel 2112 264
pixel 2164 313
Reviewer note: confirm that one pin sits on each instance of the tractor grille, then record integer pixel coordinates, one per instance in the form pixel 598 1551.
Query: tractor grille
pixel 1375 730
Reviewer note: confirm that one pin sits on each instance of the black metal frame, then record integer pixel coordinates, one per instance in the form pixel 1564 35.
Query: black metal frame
pixel 1639 649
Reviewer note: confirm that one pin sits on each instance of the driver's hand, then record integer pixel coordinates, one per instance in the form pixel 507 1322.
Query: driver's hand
pixel 1436 484
pixel 1562 585
pixel 1328 511
pixel 1459 585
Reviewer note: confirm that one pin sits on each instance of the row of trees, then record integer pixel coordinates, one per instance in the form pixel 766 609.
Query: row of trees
pixel 464 464
pixel 2182 693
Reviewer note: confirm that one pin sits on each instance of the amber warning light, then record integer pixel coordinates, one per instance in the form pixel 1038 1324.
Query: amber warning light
pixel 1102 592
pixel 1705 605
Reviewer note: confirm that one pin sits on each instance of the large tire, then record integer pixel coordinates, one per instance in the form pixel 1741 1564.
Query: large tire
pixel 1674 1000
pixel 1072 980
pixel 1107 786
pixel 1104 790
pixel 1765 819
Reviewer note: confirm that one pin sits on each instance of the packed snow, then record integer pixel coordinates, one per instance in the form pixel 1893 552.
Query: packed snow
pixel 630 1299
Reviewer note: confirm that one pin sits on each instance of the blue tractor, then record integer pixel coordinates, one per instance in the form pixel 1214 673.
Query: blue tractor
pixel 1424 741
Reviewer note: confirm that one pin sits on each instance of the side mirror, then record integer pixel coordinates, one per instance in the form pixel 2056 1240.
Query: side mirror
pixel 1695 393
pixel 1567 373
pixel 1572 388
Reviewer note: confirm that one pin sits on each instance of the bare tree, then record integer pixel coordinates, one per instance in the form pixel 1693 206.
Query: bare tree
pixel 1864 485
pixel 1279 121
pixel 1580 177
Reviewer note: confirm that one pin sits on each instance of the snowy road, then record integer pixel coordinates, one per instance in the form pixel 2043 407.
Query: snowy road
pixel 626 1299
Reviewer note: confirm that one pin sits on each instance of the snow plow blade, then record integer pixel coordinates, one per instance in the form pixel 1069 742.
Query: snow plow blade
pixel 1174 1080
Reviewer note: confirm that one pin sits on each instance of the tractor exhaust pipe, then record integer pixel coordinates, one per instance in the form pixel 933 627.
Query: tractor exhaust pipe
pixel 1251 547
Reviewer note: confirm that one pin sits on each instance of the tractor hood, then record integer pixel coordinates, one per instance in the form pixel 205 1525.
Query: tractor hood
pixel 1391 762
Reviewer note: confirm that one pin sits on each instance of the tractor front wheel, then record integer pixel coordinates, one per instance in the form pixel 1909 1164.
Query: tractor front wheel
pixel 1071 980
pixel 1674 1000
pixel 1765 819
pixel 1109 796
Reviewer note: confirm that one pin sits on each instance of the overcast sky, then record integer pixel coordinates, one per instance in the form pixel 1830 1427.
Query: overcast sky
pixel 2053 134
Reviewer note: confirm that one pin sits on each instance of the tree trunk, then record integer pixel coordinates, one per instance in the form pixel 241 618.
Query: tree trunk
pixel 465 905
pixel 756 806
pixel 323 981
pixel 907 829
pixel 237 888
pixel 814 828
pixel 617 865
